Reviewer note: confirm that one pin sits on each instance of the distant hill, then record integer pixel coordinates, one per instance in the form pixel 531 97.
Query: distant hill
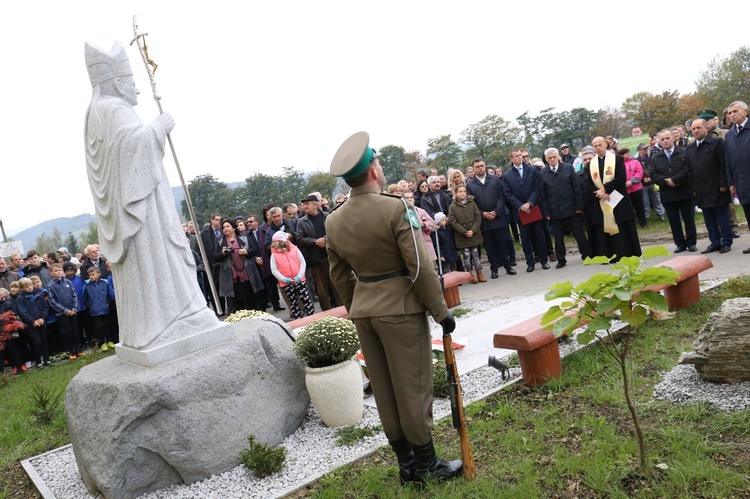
pixel 76 225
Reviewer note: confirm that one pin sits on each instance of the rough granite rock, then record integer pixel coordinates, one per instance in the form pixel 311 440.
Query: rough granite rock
pixel 135 429
pixel 722 350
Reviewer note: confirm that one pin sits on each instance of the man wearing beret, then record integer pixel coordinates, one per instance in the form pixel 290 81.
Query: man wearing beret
pixel 381 269
pixel 311 239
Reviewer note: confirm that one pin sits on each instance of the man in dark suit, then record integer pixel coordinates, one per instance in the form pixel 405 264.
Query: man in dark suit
pixel 668 168
pixel 209 235
pixel 737 146
pixel 436 200
pixel 562 204
pixel 488 195
pixel 521 188
pixel 708 177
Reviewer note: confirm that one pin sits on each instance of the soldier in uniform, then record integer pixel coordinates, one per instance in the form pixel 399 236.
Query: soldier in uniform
pixel 380 267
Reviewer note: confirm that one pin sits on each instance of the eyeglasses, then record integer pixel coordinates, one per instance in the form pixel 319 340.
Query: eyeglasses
pixel 526 156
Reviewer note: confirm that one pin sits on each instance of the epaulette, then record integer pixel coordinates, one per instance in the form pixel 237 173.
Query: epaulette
pixel 390 195
pixel 338 206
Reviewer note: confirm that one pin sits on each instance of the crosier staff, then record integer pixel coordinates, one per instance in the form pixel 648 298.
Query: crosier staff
pixel 151 69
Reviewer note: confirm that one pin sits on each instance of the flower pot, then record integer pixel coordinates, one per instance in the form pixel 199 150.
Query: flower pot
pixel 336 392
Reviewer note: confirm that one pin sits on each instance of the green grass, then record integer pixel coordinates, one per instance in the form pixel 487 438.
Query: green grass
pixel 573 437
pixel 21 435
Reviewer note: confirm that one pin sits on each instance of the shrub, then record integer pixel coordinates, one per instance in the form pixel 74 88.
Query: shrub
pixel 46 402
pixel 350 435
pixel 261 459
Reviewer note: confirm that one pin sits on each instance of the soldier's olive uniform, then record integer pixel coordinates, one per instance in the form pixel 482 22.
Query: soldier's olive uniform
pixel 373 235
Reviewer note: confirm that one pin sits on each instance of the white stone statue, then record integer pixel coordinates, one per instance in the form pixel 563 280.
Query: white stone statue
pixel 161 310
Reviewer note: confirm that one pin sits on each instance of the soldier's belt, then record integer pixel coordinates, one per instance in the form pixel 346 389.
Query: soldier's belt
pixel 383 277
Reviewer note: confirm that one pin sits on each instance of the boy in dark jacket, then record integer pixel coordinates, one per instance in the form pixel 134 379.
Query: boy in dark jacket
pixel 81 314
pixel 97 297
pixel 64 302
pixel 32 308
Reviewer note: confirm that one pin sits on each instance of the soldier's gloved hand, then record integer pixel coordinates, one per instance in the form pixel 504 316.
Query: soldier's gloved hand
pixel 287 280
pixel 297 279
pixel 166 121
pixel 449 323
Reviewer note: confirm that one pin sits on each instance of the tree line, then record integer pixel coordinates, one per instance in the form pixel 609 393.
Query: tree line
pixel 724 80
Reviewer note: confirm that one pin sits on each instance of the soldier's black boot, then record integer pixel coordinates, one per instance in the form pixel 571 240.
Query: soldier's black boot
pixel 405 457
pixel 429 466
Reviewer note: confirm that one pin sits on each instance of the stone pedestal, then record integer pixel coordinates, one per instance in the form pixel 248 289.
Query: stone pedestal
pixel 136 429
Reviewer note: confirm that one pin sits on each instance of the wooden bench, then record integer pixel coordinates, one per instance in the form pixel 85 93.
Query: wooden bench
pixel 339 312
pixel 538 351
pixel 451 281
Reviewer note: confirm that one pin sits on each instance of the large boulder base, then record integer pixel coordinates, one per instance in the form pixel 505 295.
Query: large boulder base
pixel 722 350
pixel 135 429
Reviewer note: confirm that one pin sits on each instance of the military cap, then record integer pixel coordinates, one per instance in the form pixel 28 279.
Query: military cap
pixel 353 156
pixel 707 114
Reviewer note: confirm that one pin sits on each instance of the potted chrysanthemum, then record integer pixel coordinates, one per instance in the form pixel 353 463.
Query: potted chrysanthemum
pixel 334 380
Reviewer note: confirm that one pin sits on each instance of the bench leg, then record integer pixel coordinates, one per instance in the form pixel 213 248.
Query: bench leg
pixel 683 294
pixel 540 365
pixel 452 298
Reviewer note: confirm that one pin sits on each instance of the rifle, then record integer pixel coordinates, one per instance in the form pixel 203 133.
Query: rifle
pixel 457 406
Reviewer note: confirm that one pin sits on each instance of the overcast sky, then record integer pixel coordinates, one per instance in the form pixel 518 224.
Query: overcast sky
pixel 256 86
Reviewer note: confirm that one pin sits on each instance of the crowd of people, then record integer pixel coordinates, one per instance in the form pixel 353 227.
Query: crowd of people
pixel 67 303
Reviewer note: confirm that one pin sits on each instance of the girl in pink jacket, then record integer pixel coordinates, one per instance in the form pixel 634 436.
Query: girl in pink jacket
pixel 288 266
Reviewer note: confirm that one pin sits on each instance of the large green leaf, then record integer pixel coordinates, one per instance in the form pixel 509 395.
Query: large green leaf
pixel 564 326
pixel 622 293
pixel 586 336
pixel 599 324
pixel 596 260
pixel 552 314
pixel 559 290
pixel 652 299
pixel 655 251
pixel 634 316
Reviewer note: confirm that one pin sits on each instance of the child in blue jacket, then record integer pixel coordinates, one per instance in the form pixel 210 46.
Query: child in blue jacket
pixel 32 308
pixel 97 297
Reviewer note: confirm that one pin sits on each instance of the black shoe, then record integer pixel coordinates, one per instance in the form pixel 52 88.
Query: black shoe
pixel 494 275
pixel 680 249
pixel 509 271
pixel 513 262
pixel 725 249
pixel 560 264
pixel 428 466
pixel 661 217
pixel 529 268
pixel 746 251
pixel 278 309
pixel 692 248
pixel 405 458
pixel 545 266
pixel 711 249
pixel 735 234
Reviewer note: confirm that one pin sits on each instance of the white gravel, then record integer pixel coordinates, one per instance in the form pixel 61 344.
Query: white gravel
pixel 684 385
pixel 312 449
